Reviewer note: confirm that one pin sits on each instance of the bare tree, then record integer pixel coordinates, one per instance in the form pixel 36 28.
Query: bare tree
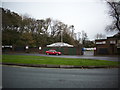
pixel 100 36
pixel 115 13
pixel 84 37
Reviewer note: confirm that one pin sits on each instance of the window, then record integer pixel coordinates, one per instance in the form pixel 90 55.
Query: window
pixel 52 50
pixel 112 42
pixel 118 41
pixel 118 44
pixel 102 42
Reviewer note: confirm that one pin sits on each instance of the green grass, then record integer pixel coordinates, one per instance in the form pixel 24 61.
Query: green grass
pixel 55 60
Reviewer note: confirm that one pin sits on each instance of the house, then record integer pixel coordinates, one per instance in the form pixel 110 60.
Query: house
pixel 109 46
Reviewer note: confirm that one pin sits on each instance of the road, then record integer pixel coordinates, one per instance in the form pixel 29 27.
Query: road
pixel 108 58
pixel 29 77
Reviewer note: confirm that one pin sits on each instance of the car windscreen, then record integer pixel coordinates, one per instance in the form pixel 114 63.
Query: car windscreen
pixel 52 50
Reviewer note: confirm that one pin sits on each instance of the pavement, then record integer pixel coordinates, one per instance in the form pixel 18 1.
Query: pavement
pixel 59 66
pixel 29 77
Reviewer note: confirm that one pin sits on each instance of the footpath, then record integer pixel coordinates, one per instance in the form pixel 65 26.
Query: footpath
pixel 59 66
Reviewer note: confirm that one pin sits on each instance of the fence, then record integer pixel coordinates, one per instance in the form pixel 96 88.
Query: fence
pixel 19 49
pixel 64 50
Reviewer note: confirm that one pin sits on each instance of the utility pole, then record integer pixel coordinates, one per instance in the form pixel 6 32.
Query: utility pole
pixel 61 35
pixel 72 31
pixel 79 34
pixel 82 37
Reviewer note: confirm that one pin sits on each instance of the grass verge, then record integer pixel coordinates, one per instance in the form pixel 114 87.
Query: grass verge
pixel 22 59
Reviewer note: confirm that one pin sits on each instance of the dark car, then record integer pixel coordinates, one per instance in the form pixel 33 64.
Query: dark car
pixel 53 52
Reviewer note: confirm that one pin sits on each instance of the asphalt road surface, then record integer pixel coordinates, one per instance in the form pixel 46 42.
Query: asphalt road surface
pixel 29 77
pixel 108 58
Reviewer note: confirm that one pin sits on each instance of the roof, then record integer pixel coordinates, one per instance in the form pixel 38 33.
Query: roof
pixel 100 40
pixel 117 35
pixel 60 44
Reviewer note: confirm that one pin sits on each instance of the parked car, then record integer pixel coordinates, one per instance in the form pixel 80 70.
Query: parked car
pixel 53 52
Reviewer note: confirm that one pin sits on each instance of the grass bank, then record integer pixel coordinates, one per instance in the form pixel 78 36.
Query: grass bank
pixel 22 59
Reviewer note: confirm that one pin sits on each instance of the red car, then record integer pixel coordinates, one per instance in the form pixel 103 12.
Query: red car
pixel 53 52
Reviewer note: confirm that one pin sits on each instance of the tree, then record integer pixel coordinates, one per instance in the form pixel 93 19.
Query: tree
pixel 26 39
pixel 10 27
pixel 22 30
pixel 84 37
pixel 10 37
pixel 115 13
pixel 100 36
pixel 10 20
pixel 89 44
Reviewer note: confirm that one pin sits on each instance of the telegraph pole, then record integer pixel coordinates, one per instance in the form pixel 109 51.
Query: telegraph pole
pixel 61 35
pixel 72 31
pixel 82 36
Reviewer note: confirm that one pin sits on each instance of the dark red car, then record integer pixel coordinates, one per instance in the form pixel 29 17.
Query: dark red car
pixel 53 52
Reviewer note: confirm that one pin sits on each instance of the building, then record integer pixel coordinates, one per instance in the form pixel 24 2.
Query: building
pixel 109 46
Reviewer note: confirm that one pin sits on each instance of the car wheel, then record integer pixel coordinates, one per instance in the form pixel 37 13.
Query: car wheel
pixel 47 53
pixel 57 54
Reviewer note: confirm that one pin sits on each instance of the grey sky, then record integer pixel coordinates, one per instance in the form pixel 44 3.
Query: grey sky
pixel 89 15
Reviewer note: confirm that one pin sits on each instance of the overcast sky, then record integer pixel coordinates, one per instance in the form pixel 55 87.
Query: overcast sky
pixel 88 15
